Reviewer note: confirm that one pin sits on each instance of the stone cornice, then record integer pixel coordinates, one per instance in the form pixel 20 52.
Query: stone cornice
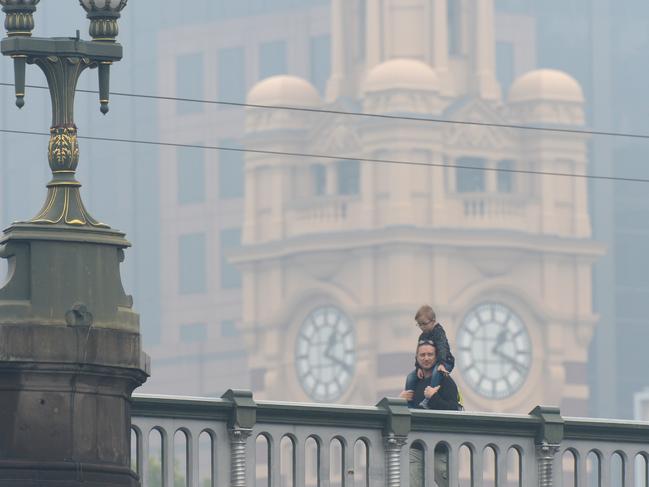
pixel 452 240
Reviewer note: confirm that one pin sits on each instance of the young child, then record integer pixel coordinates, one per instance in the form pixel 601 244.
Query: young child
pixel 433 331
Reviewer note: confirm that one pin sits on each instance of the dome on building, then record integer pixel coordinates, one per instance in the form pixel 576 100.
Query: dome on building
pixel 401 73
pixel 546 84
pixel 284 90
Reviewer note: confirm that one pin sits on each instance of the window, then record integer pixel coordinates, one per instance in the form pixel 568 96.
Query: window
pixel 505 179
pixel 194 332
pixel 189 82
pixel 454 32
pixel 230 275
pixel 191 263
pixel 190 164
pixel 229 328
pixel 348 177
pixel 319 173
pixel 231 76
pixel 470 180
pixel 320 55
pixel 272 59
pixel 505 64
pixel 231 171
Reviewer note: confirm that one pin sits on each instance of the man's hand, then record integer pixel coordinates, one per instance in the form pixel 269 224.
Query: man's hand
pixel 442 370
pixel 420 374
pixel 407 395
pixel 430 391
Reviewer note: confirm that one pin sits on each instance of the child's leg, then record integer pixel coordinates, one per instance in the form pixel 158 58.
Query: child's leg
pixel 436 378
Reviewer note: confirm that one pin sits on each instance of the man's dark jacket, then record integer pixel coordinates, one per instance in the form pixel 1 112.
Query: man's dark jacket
pixel 446 398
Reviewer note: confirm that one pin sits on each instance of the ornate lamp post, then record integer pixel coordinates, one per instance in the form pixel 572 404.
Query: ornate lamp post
pixel 70 348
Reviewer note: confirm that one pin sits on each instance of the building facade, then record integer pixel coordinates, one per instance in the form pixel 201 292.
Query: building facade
pixel 200 350
pixel 293 241
pixel 339 253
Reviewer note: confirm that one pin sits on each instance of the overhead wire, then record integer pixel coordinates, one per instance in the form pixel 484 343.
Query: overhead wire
pixel 363 114
pixel 337 157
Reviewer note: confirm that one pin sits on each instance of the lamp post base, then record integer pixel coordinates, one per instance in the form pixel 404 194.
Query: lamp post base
pixel 65 423
pixel 70 358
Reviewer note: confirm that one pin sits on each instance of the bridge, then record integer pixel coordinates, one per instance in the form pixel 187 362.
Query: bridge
pixel 239 442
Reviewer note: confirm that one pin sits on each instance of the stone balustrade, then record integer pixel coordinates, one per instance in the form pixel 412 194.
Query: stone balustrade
pixel 236 441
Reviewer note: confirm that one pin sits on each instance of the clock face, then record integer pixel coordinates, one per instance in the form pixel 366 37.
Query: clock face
pixel 325 354
pixel 494 351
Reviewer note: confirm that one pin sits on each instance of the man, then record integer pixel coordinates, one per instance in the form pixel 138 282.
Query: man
pixel 443 396
pixel 434 331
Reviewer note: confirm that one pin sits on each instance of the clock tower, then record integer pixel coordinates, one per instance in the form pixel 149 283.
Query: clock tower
pixel 339 252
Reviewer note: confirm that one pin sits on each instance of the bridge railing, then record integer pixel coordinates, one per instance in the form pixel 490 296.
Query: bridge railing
pixel 234 441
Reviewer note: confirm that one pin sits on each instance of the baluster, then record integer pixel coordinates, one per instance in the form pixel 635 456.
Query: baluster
pixel 454 465
pixel 238 456
pixel 605 469
pixel 167 459
pixel 393 445
pixel 545 457
pixel 143 460
pixel 629 469
pixel 430 462
pixel 247 465
pixel 217 464
pixel 299 468
pixel 349 466
pixel 275 449
pixel 192 458
pixel 324 463
pixel 501 466
pixel 477 467
pixel 582 470
pixel 404 459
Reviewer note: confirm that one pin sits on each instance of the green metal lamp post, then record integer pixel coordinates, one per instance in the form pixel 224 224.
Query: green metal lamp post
pixel 70 346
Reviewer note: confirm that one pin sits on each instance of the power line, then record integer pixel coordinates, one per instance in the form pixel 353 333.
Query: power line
pixel 339 158
pixel 369 115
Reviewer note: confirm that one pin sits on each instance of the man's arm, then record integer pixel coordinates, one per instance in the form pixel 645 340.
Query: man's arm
pixel 446 397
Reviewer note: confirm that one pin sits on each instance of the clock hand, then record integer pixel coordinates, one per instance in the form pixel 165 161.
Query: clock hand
pixel 340 362
pixel 331 343
pixel 500 341
pixel 328 353
pixel 515 363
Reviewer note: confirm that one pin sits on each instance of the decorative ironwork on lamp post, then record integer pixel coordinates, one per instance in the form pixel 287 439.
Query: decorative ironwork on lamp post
pixel 70 345
pixel 62 60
